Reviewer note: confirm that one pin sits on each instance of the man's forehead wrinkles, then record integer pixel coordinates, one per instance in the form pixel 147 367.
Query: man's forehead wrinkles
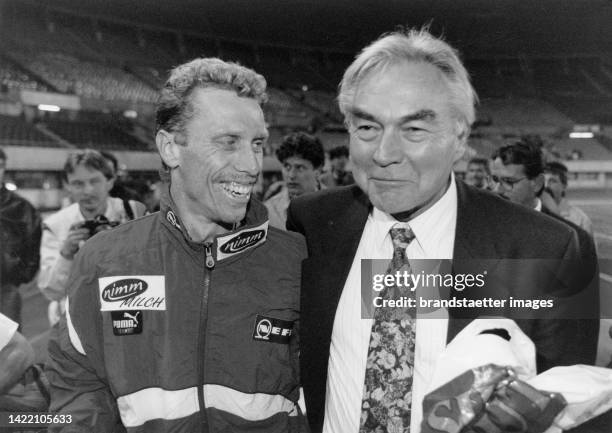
pixel 424 114
pixel 361 113
pixel 237 131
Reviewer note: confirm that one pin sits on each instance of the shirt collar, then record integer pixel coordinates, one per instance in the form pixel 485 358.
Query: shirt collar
pixel 538 205
pixel 424 226
pixel 252 232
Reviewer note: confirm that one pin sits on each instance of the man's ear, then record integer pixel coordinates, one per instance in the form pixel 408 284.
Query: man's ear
pixel 110 183
pixel 168 148
pixel 538 184
pixel 462 132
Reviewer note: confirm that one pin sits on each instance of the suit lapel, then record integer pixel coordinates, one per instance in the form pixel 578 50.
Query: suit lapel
pixel 323 278
pixel 473 241
pixel 344 233
pixel 472 237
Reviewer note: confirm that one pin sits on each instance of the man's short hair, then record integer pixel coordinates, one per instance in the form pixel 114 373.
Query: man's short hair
pixel 111 159
pixel 521 153
pixel 558 169
pixel 338 152
pixel 174 106
pixel 302 145
pixel 412 46
pixel 2 154
pixel 480 161
pixel 91 159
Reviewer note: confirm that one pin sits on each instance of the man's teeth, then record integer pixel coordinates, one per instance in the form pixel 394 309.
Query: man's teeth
pixel 237 189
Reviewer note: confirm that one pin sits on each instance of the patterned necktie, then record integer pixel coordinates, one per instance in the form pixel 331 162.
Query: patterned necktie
pixel 387 392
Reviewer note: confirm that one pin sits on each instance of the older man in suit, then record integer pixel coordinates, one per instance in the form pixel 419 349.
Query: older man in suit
pixel 409 104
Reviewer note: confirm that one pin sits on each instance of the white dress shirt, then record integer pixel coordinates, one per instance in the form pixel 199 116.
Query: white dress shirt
pixel 538 205
pixel 435 237
pixel 7 330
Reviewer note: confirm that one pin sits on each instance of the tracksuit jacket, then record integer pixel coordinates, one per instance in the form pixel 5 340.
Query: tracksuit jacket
pixel 159 327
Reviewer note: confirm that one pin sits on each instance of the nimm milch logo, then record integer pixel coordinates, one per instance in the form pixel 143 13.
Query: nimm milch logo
pixel 242 241
pixel 124 289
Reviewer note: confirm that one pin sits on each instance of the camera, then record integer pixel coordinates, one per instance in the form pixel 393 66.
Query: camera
pixel 98 224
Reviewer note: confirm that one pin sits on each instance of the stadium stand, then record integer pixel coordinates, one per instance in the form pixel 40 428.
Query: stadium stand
pixel 323 102
pixel 286 110
pixel 17 132
pixel 560 77
pixel 501 78
pixel 154 77
pixel 88 79
pixel 101 135
pixel 522 113
pixel 194 46
pixel 110 60
pixel 589 149
pixel 584 109
pixel 14 77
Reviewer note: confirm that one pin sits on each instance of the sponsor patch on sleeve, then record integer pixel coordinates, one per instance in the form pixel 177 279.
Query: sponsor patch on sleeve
pixel 243 240
pixel 131 292
pixel 127 322
pixel 272 330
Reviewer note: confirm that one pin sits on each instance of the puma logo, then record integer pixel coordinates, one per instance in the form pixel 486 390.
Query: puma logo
pixel 133 317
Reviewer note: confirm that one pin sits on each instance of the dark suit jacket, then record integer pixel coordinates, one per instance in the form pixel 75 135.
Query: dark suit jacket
pixel 488 227
pixel 586 243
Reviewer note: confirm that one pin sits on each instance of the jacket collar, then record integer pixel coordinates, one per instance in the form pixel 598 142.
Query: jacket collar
pixel 251 233
pixel 472 234
pixel 343 233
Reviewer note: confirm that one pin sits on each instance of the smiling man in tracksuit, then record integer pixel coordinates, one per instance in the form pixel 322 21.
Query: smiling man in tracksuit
pixel 187 320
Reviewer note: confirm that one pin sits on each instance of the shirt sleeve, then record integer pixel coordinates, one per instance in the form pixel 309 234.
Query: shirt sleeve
pixel 7 330
pixel 76 369
pixel 138 208
pixel 54 269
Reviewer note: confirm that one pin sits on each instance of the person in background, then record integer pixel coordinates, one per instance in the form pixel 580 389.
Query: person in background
pixel 121 184
pixel 517 174
pixel 477 172
pixel 152 197
pixel 556 184
pixel 89 178
pixel 302 157
pixel 146 193
pixel 20 233
pixel 338 175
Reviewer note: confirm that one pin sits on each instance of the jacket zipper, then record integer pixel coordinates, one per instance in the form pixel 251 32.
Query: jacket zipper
pixel 210 264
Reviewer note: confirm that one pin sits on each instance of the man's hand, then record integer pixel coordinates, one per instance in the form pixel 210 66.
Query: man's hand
pixel 71 245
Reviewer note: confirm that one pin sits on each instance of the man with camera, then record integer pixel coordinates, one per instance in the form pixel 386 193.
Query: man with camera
pixel 89 178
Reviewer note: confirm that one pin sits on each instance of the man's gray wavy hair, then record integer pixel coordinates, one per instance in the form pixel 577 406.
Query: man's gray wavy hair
pixel 174 108
pixel 412 45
